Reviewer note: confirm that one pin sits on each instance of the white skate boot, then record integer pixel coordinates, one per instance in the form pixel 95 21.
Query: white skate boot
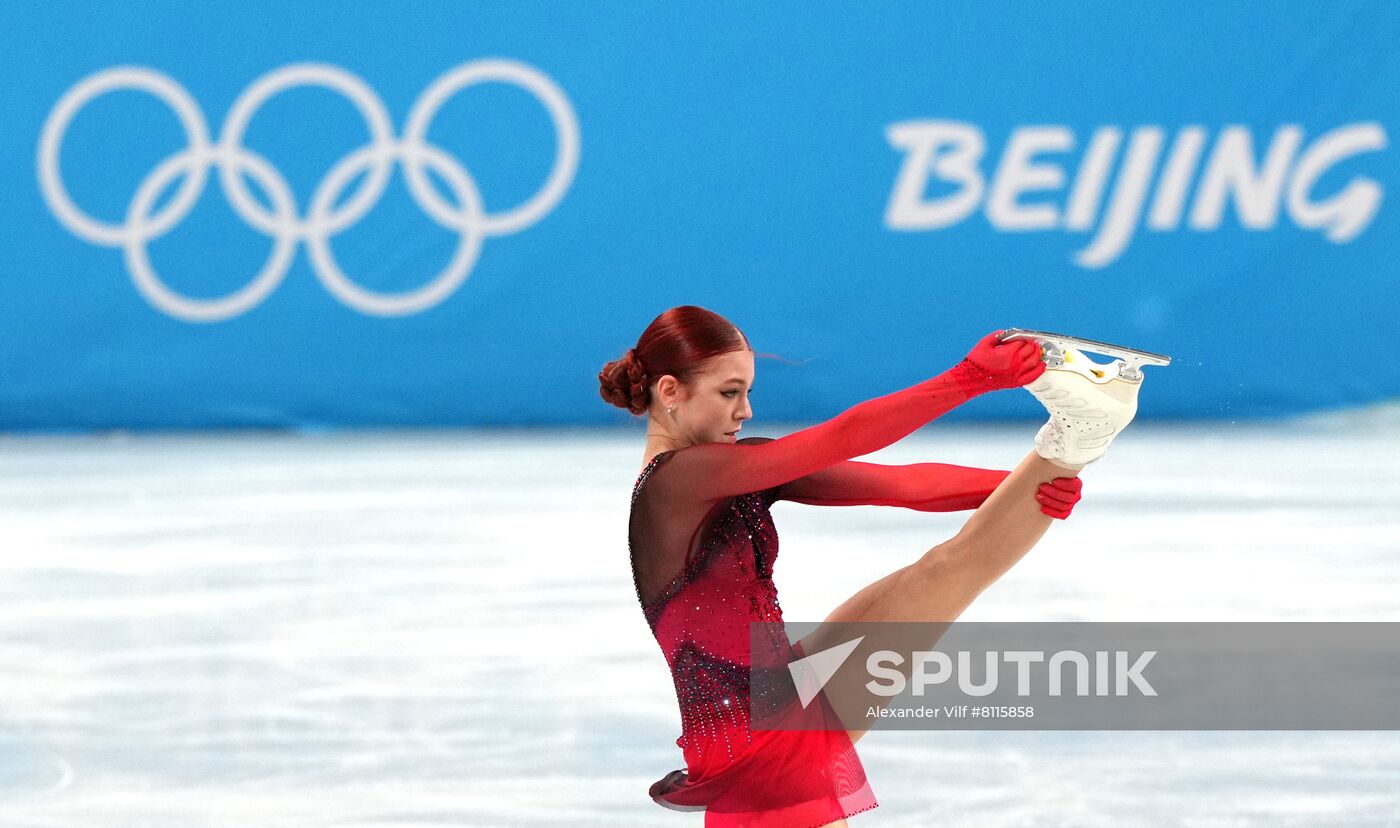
pixel 1089 403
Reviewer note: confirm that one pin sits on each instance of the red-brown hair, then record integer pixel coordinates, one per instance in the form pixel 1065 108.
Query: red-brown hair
pixel 675 343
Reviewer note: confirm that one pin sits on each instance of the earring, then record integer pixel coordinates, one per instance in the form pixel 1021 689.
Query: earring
pixel 670 409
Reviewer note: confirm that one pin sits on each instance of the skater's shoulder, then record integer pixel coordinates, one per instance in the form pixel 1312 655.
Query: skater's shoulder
pixel 690 456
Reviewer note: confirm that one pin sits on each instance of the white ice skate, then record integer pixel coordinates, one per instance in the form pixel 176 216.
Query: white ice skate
pixel 1089 403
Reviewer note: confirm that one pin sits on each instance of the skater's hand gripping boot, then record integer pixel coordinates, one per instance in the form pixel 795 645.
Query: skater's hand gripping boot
pixel 992 364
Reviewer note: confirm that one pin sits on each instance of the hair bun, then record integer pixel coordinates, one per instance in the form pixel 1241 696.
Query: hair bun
pixel 623 383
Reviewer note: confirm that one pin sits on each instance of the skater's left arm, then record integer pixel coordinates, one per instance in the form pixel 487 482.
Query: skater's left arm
pixel 925 487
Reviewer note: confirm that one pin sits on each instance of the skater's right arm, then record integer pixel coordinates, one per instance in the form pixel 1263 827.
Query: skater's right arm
pixel 716 470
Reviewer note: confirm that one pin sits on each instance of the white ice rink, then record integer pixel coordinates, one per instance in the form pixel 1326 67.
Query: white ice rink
pixel 440 628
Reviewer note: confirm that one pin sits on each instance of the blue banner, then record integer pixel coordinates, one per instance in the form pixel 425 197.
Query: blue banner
pixel 359 214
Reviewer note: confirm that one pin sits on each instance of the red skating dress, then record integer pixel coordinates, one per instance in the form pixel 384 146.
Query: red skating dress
pixel 703 545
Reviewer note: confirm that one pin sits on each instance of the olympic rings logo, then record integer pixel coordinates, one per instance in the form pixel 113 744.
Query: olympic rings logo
pixel 284 223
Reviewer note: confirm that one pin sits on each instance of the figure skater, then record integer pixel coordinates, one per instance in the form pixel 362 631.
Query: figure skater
pixel 703 543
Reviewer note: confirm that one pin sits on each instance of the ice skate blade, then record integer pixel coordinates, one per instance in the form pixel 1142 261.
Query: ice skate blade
pixel 1130 369
pixel 670 781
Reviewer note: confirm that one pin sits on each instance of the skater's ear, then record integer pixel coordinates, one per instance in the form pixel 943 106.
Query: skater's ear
pixel 670 390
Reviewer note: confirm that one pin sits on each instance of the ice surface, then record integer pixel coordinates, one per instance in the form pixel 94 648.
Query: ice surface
pixel 413 629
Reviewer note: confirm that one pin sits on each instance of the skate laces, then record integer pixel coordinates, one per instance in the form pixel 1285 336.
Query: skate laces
pixel 1050 439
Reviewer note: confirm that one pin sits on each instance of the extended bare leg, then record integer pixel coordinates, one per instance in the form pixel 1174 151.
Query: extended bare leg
pixel 1089 404
pixel 946 579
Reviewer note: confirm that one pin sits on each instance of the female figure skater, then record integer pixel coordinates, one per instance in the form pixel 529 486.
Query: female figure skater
pixel 703 543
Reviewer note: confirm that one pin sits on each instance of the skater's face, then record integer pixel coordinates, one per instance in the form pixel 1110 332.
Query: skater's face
pixel 715 401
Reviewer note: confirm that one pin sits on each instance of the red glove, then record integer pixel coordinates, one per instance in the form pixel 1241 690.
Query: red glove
pixel 993 365
pixel 1057 498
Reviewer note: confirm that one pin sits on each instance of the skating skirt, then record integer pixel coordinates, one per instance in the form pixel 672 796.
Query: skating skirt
pixel 783 779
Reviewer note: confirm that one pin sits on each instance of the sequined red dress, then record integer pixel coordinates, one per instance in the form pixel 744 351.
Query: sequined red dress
pixel 703 545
